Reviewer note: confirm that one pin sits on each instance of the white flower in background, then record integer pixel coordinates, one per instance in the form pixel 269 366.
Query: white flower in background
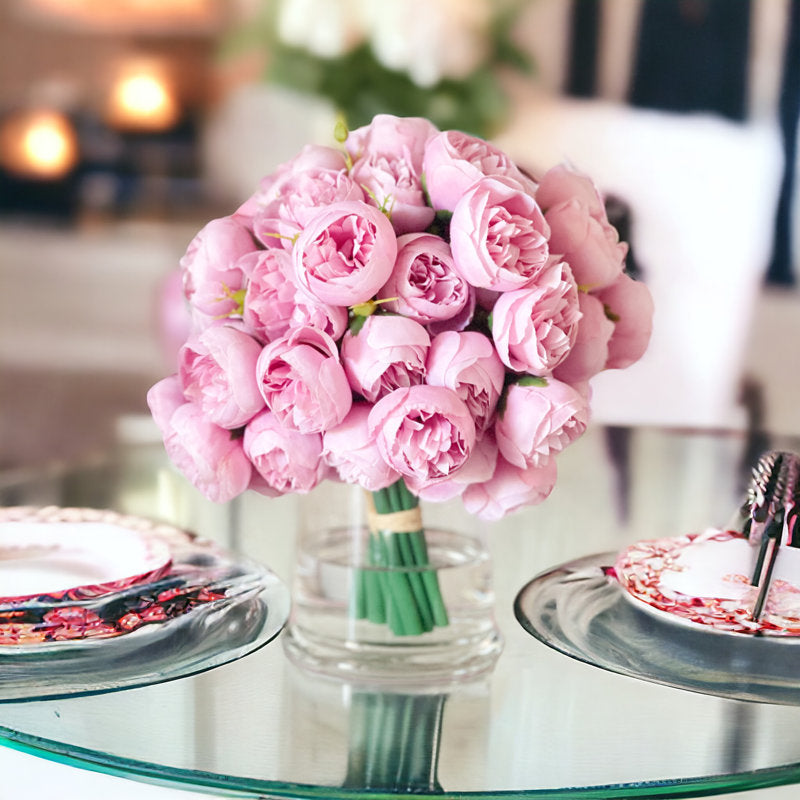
pixel 429 39
pixel 326 28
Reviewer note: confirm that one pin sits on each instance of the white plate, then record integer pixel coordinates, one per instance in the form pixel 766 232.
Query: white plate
pixel 75 559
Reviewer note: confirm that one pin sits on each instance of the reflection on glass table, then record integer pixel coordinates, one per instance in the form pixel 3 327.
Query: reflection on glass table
pixel 542 724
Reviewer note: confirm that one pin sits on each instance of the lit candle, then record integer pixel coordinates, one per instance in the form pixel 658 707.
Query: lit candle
pixel 142 99
pixel 38 144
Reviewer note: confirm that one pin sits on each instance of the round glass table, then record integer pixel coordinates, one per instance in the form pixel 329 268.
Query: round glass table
pixel 541 725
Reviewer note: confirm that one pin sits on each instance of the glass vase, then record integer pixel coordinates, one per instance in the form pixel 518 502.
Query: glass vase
pixel 386 599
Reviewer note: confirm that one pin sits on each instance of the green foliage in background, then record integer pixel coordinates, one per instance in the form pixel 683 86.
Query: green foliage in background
pixel 360 87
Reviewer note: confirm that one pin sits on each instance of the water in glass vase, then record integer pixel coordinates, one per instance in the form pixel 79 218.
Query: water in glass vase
pixel 357 619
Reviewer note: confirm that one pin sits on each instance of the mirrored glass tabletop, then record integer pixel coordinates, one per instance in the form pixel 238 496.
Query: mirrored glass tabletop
pixel 543 724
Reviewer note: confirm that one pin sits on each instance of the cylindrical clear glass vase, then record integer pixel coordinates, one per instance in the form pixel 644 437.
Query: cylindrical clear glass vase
pixel 387 606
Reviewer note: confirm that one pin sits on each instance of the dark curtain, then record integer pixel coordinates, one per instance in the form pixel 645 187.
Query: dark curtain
pixel 581 78
pixel 692 55
pixel 780 269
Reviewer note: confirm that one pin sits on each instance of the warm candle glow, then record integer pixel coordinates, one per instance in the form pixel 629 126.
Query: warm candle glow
pixel 142 99
pixel 38 144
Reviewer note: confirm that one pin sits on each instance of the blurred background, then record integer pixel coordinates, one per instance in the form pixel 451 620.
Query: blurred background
pixel 125 126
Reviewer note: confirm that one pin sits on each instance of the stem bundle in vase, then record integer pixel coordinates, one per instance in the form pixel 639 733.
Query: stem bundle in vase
pixel 400 587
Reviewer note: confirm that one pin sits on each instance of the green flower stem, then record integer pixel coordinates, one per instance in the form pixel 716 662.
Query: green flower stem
pixel 418 587
pixel 399 585
pixel 394 742
pixel 375 605
pixel 404 595
pixel 430 580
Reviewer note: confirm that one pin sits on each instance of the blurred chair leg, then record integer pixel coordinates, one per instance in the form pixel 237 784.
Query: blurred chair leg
pixel 618 447
pixel 757 437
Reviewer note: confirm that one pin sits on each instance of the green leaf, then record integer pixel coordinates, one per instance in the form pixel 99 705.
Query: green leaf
pixel 356 324
pixel 441 224
pixel 532 380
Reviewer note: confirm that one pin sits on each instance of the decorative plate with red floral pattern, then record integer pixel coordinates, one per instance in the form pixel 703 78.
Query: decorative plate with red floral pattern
pixel 705 578
pixel 160 603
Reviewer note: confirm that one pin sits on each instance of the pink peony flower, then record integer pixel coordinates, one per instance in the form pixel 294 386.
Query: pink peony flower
pixel 534 329
pixel 560 184
pixel 352 452
pixel 217 369
pixel 424 281
pixel 468 364
pixel 209 456
pixel 388 353
pixel 283 460
pixel 539 421
pixel 270 295
pixel 345 254
pixel 387 162
pixel 211 274
pixel 580 231
pixel 273 304
pixel 591 248
pixel 311 157
pixel 630 305
pixel 302 381
pixel 589 353
pixel 509 489
pixel 318 177
pixel 322 316
pixel 423 432
pixel 459 322
pixel 478 468
pixel 163 400
pixel 454 161
pixel 498 236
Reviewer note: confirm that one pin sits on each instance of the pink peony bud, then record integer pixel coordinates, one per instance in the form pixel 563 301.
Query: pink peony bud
pixel 353 453
pixel 345 254
pixel 509 489
pixel 478 468
pixel 454 161
pixel 387 162
pixel 534 329
pixel 560 184
pixel 630 305
pixel 424 281
pixel 211 275
pixel 283 460
pixel 302 381
pixel 388 353
pixel 217 370
pixel 589 353
pixel 498 236
pixel 316 178
pixel 539 421
pixel 210 458
pixel 423 432
pixel 273 304
pixel 468 364
pixel 580 231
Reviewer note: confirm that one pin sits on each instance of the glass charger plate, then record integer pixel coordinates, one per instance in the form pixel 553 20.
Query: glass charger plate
pixel 582 611
pixel 211 607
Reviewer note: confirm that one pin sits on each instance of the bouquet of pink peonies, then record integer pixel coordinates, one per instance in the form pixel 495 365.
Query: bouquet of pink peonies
pixel 411 313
